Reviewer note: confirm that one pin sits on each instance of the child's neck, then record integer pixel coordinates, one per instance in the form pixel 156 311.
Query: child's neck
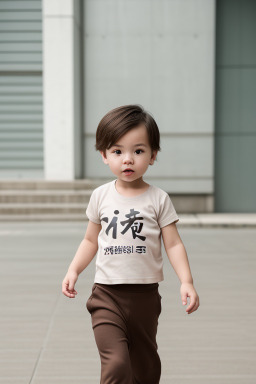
pixel 132 188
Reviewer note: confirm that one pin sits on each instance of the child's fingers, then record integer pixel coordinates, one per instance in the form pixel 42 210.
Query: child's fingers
pixel 184 299
pixel 193 305
pixel 71 287
pixel 70 294
pixel 68 290
pixel 188 291
pixel 73 293
pixel 65 289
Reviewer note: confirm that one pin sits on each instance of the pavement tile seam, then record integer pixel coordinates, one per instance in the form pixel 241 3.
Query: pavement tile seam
pixel 181 376
pixel 48 332
pixel 221 376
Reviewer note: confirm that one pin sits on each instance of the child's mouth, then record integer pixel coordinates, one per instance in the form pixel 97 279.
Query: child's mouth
pixel 128 172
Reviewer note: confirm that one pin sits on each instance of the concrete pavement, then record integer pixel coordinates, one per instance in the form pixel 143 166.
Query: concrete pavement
pixel 46 338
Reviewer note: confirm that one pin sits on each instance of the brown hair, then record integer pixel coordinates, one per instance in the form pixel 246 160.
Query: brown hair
pixel 119 121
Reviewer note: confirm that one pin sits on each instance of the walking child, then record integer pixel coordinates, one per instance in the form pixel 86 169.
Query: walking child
pixel 127 219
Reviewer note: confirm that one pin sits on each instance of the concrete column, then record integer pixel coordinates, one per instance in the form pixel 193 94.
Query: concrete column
pixel 61 87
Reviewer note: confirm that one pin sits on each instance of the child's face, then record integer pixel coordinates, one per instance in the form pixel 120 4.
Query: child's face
pixel 131 152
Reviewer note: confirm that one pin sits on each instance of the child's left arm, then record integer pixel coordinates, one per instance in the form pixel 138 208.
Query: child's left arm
pixel 177 255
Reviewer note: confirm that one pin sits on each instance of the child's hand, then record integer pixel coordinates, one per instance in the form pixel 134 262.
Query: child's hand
pixel 68 284
pixel 188 290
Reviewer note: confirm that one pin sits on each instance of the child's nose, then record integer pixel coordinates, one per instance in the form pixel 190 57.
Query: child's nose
pixel 128 159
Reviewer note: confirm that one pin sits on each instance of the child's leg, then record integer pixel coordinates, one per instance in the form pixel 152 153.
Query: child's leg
pixel 145 361
pixel 111 337
pixel 112 344
pixel 125 319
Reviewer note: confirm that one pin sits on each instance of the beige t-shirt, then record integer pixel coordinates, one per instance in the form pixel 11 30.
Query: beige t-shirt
pixel 129 243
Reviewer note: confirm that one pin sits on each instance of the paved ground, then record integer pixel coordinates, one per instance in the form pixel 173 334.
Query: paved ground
pixel 46 338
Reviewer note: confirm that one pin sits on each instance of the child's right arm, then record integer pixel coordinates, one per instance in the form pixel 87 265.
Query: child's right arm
pixel 84 255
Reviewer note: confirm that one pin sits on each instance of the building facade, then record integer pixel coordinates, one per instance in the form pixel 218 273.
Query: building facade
pixel 65 63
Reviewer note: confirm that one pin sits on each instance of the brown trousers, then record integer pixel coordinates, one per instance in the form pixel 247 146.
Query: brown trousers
pixel 124 321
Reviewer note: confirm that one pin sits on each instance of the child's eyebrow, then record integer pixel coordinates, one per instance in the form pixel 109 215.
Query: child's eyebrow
pixel 136 145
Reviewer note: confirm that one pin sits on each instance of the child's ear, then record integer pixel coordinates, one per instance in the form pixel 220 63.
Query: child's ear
pixel 153 157
pixel 104 157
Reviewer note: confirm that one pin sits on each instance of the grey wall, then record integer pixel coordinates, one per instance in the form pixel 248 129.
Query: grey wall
pixel 236 106
pixel 158 53
pixel 21 123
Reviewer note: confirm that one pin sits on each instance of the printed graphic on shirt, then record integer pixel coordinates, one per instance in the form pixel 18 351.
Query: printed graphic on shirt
pixel 119 249
pixel 133 224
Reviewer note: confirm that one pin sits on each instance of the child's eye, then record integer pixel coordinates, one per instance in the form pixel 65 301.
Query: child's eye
pixel 117 151
pixel 138 151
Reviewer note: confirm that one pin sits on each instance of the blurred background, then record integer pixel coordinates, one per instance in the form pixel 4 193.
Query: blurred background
pixel 65 63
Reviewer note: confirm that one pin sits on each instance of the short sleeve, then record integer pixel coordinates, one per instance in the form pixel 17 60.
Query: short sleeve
pixel 167 213
pixel 92 209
